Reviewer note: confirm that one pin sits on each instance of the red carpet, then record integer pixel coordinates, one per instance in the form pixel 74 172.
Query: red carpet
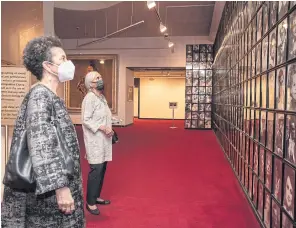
pixel 169 178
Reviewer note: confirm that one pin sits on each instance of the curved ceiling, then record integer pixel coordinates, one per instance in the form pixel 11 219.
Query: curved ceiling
pixel 72 5
pixel 181 18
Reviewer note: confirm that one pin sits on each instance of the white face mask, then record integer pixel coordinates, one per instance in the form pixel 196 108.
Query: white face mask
pixel 66 71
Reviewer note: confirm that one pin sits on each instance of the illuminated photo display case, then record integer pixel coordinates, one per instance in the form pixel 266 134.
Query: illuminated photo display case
pixel 254 104
pixel 198 95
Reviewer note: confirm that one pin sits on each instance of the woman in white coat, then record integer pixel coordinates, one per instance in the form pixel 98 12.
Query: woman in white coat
pixel 97 132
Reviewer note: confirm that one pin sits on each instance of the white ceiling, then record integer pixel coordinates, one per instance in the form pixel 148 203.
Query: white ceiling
pixel 84 5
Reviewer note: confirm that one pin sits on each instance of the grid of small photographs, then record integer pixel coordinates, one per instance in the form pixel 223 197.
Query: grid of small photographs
pixel 199 60
pixel 254 103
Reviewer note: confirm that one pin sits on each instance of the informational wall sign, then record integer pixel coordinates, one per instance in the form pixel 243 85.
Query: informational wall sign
pixel 173 105
pixel 15 83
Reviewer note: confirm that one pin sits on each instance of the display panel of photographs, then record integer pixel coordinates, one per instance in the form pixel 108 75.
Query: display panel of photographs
pixel 199 60
pixel 254 104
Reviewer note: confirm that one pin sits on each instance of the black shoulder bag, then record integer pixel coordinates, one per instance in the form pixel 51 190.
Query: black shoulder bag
pixel 114 137
pixel 19 173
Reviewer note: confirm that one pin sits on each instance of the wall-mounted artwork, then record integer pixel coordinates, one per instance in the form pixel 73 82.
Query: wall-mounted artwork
pixel 198 92
pixel 75 90
pixel 257 60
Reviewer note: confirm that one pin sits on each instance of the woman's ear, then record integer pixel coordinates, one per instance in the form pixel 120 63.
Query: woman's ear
pixel 46 66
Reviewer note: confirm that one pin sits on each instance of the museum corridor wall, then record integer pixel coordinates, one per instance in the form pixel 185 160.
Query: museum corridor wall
pixel 254 104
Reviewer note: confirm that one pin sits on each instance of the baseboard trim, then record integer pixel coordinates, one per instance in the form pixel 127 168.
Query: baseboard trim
pixel 127 125
pixel 157 119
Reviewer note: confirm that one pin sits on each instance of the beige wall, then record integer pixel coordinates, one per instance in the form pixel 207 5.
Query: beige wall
pixel 135 52
pixel 20 22
pixel 136 102
pixel 155 97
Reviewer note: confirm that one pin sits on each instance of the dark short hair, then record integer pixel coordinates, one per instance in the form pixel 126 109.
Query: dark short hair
pixel 37 51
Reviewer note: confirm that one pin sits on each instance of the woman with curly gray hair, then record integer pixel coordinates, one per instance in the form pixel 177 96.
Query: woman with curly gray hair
pixel 56 200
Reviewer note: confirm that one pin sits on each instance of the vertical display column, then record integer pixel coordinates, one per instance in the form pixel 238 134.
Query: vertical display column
pixel 198 95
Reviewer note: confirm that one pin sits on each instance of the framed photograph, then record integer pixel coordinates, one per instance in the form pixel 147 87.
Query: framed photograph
pixel 286 222
pixel 187 107
pixel 130 93
pixel 264 53
pixel 263 127
pixel 188 115
pixel 268 170
pixel 189 57
pixel 291 138
pixel 195 65
pixel 203 57
pixel 200 124
pixel 255 189
pixel 189 66
pixel 195 90
pixel 277 175
pixel 188 73
pixel 194 124
pixel 202 90
pixel 260 199
pixel 256 160
pixel 280 88
pixel 275 214
pixel 282 41
pixel 292 36
pixel 273 5
pixel 259 24
pixel 188 90
pixel 75 89
pixel 195 74
pixel 188 99
pixel 195 107
pixel 279 134
pixel 208 124
pixel 195 81
pixel 196 48
pixel 283 8
pixel 194 98
pixel 261 163
pixel 188 81
pixel 201 107
pixel 289 190
pixel 264 91
pixel 272 48
pixel 188 49
pixel 187 123
pixel 202 99
pixel 208 107
pixel 203 48
pixel 291 87
pixel 209 48
pixel 254 33
pixel 270 120
pixel 267 207
pixel 271 92
pixel 195 57
pixel 265 12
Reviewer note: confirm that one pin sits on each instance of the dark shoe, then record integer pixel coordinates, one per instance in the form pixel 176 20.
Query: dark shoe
pixel 104 202
pixel 94 212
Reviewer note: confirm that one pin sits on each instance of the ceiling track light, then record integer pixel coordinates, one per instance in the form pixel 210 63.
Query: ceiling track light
pixel 102 62
pixel 151 4
pixel 170 44
pixel 162 28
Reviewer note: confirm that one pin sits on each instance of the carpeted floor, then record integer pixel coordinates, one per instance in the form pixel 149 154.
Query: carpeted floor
pixel 168 178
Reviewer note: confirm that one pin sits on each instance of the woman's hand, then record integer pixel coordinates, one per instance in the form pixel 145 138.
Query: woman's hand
pixel 109 132
pixel 65 200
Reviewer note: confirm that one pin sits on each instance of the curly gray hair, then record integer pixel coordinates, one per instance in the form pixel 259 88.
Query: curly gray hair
pixel 37 51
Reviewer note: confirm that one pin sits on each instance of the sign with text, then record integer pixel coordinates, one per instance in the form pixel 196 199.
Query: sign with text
pixel 173 105
pixel 15 83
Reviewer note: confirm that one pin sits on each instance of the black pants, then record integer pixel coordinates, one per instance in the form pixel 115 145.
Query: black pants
pixel 95 182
